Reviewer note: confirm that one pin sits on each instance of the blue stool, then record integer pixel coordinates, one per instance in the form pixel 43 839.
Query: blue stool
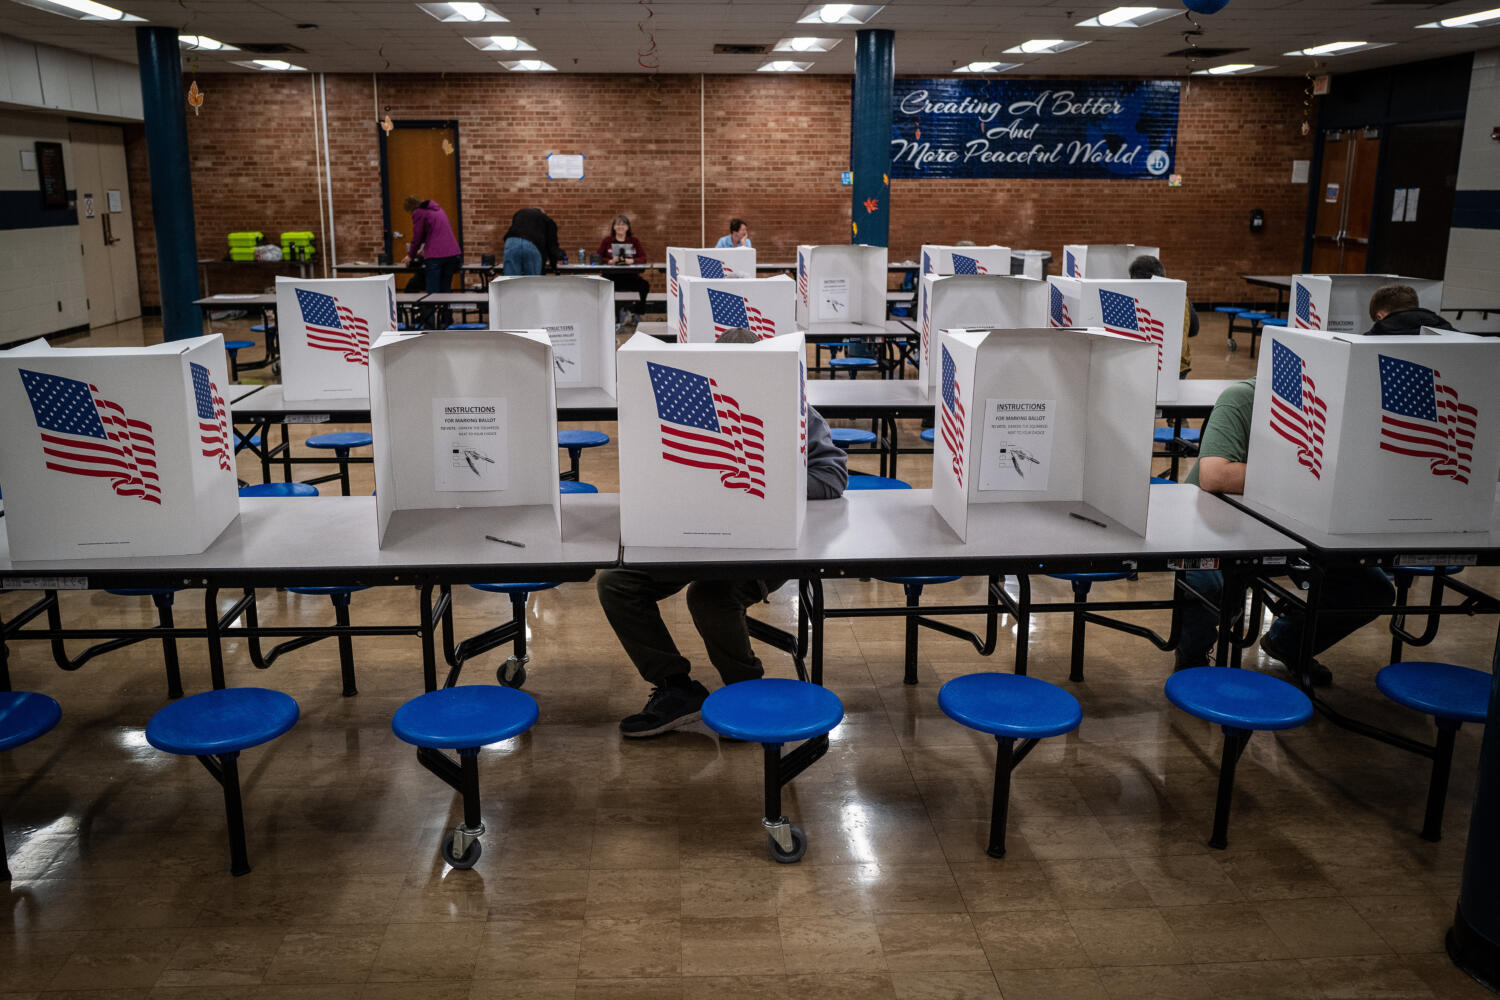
pixel 773 711
pixel 462 719
pixel 929 435
pixel 851 365
pixel 233 349
pixel 468 326
pixel 215 726
pixel 567 486
pixel 1260 327
pixel 1009 707
pixel 339 443
pixel 24 715
pixel 859 482
pixel 575 441
pixel 1166 435
pixel 1251 319
pixel 277 491
pixel 1274 321
pixel 511 673
pixel 1230 310
pixel 241 441
pixel 846 436
pixel 1241 702
pixel 1452 695
pixel 1403 577
pixel 1162 481
pixel 1082 583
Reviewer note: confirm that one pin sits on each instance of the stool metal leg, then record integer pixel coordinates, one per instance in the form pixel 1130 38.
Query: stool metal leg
pixel 225 769
pixel 4 856
pixel 1000 807
pixel 346 643
pixel 163 604
pixel 343 456
pixel 913 599
pixel 1075 664
pixel 1437 788
pixel 1234 745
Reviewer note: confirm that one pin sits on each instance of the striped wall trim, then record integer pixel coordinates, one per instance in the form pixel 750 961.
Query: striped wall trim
pixel 23 210
pixel 1476 209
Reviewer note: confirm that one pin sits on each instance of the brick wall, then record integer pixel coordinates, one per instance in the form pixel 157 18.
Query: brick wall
pixel 775 146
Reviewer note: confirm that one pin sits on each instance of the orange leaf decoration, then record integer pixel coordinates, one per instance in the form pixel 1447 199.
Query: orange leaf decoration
pixel 447 148
pixel 871 204
pixel 886 178
pixel 195 97
pixel 387 124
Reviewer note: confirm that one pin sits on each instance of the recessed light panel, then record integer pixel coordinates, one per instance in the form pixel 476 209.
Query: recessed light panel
pixel 805 43
pixel 784 66
pixel 839 13
pixel 1043 46
pixel 501 43
pixel 1129 17
pixel 462 13
pixel 81 10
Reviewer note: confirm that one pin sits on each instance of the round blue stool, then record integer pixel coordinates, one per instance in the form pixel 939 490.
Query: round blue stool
pixel 277 491
pixel 233 349
pixel 858 482
pixel 772 711
pixel 929 435
pixel 340 443
pixel 1273 321
pixel 567 486
pixel 1009 707
pixel 1231 310
pixel 846 436
pixel 1452 695
pixel 851 365
pixel 1165 435
pixel 511 673
pixel 1241 702
pixel 575 441
pixel 24 715
pixel 463 719
pixel 468 326
pixel 214 727
pixel 242 442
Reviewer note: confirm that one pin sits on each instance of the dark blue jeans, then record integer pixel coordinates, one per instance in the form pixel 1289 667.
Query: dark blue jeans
pixel 438 274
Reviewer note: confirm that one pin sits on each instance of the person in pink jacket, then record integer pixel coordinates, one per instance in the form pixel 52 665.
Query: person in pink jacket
pixel 433 243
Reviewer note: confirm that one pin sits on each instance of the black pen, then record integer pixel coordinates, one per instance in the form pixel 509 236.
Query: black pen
pixel 1071 513
pixel 507 541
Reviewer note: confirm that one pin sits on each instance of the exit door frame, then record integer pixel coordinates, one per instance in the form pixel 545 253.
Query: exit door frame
pixel 385 188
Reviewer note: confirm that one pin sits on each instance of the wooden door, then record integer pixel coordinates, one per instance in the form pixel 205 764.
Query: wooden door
pixel 111 283
pixel 1414 207
pixel 1346 198
pixel 415 162
pixel 1360 206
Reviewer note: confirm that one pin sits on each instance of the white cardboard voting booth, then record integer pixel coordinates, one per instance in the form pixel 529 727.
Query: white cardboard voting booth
pixel 1340 303
pixel 938 259
pixel 1367 434
pixel 1102 260
pixel 576 312
pixel 709 306
pixel 1035 415
pixel 116 451
pixel 1148 309
pixel 713 442
pixel 989 301
pixel 464 419
pixel 326 326
pixel 840 287
pixel 702 262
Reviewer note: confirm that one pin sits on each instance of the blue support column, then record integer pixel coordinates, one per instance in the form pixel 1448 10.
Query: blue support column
pixel 870 135
pixel 171 186
pixel 1474 939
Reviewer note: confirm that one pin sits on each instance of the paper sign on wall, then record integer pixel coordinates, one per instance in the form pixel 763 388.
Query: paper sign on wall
pixel 1411 204
pixel 468 443
pixel 1398 205
pixel 833 298
pixel 565 167
pixel 567 369
pixel 1016 444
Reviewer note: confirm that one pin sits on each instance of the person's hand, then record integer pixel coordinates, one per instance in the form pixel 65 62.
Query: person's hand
pixel 406 261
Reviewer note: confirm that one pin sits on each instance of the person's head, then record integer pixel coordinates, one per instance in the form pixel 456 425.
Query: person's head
pixel 1392 299
pixel 1147 266
pixel 412 204
pixel 739 231
pixel 738 335
pixel 966 243
pixel 621 227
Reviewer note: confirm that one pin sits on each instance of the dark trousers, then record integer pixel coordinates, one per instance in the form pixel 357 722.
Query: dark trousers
pixel 630 597
pixel 437 276
pixel 631 281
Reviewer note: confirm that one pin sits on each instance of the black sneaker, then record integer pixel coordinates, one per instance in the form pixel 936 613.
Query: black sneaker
pixel 667 709
pixel 1317 674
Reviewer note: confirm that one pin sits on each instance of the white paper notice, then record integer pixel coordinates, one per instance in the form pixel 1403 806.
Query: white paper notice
pixel 1300 171
pixel 1411 203
pixel 565 167
pixel 833 298
pixel 1015 444
pixel 567 369
pixel 468 443
pixel 1398 205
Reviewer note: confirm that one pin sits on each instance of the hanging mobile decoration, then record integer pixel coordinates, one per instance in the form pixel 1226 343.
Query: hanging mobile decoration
pixel 1190 39
pixel 447 147
pixel 1307 96
pixel 386 123
pixel 649 57
pixel 195 98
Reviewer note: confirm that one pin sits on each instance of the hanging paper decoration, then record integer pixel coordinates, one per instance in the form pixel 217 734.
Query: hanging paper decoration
pixel 195 98
pixel 447 147
pixel 387 124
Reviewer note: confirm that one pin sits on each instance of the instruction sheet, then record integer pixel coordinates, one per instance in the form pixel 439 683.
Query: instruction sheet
pixel 567 368
pixel 833 298
pixel 1015 444
pixel 468 441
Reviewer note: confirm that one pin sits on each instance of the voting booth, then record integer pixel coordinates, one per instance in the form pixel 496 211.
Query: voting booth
pixel 702 262
pixel 326 326
pixel 1147 309
pixel 116 451
pixel 1340 303
pixel 937 259
pixel 989 301
pixel 840 287
pixel 1102 260
pixel 709 306
pixel 576 312
pixel 465 419
pixel 1033 415
pixel 713 443
pixel 1366 434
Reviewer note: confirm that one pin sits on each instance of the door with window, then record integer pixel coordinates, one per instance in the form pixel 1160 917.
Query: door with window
pixel 418 159
pixel 111 283
pixel 1346 194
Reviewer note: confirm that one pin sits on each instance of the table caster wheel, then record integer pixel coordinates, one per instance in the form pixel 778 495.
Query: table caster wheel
pixel 1232 345
pixel 799 846
pixel 512 673
pixel 469 857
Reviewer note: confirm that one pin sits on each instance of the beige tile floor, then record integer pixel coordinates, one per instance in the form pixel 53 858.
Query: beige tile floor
pixel 617 869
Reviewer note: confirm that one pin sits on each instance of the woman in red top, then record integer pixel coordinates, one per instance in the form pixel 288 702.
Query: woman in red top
pixel 632 253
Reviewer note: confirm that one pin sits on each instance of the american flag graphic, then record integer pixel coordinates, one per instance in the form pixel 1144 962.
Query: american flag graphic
pixel 953 416
pixel 926 262
pixel 802 278
pixel 968 265
pixel 213 418
pixel 1125 315
pixel 672 274
pixel 1423 417
pixel 682 319
pixel 732 310
pixel 1298 413
pixel 390 291
pixel 926 330
pixel 1305 315
pixel 1057 308
pixel 84 434
pixel 703 428
pixel 1070 265
pixel 713 267
pixel 332 326
pixel 802 408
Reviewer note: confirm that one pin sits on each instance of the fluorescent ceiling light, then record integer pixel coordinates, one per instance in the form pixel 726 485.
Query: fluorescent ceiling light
pixel 501 43
pixel 1129 17
pixel 273 65
pixel 1336 48
pixel 82 10
pixel 462 13
pixel 1040 46
pixel 986 67
pixel 1465 20
pixel 839 13
pixel 202 43
pixel 804 43
pixel 529 66
pixel 784 66
pixel 1231 69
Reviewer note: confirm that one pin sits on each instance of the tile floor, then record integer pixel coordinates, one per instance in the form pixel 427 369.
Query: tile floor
pixel 619 869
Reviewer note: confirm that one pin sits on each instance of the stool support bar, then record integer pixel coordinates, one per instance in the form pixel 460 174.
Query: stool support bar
pixel 1235 741
pixel 225 769
pixel 1007 757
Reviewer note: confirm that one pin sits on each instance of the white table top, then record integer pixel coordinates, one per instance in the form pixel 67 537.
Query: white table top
pixel 595 268
pixel 452 298
pixel 326 539
pixel 271 401
pixel 1197 394
pixel 1410 548
pixel 239 392
pixel 829 394
pixel 237 300
pixel 899 531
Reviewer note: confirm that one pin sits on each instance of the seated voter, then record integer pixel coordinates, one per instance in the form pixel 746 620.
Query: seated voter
pixel 1220 468
pixel 630 597
pixel 1148 266
pixel 631 252
pixel 739 236
pixel 1396 312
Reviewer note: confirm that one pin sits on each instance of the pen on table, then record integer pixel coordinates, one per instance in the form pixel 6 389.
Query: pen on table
pixel 506 541
pixel 1071 513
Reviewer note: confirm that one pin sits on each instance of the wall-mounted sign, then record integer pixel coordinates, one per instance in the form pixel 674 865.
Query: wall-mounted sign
pixel 565 167
pixel 51 177
pixel 1034 128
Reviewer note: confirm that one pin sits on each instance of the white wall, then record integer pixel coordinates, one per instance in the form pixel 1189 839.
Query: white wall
pixel 40 77
pixel 42 266
pixel 1472 278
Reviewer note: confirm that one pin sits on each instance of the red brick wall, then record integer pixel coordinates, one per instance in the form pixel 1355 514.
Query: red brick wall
pixel 774 149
